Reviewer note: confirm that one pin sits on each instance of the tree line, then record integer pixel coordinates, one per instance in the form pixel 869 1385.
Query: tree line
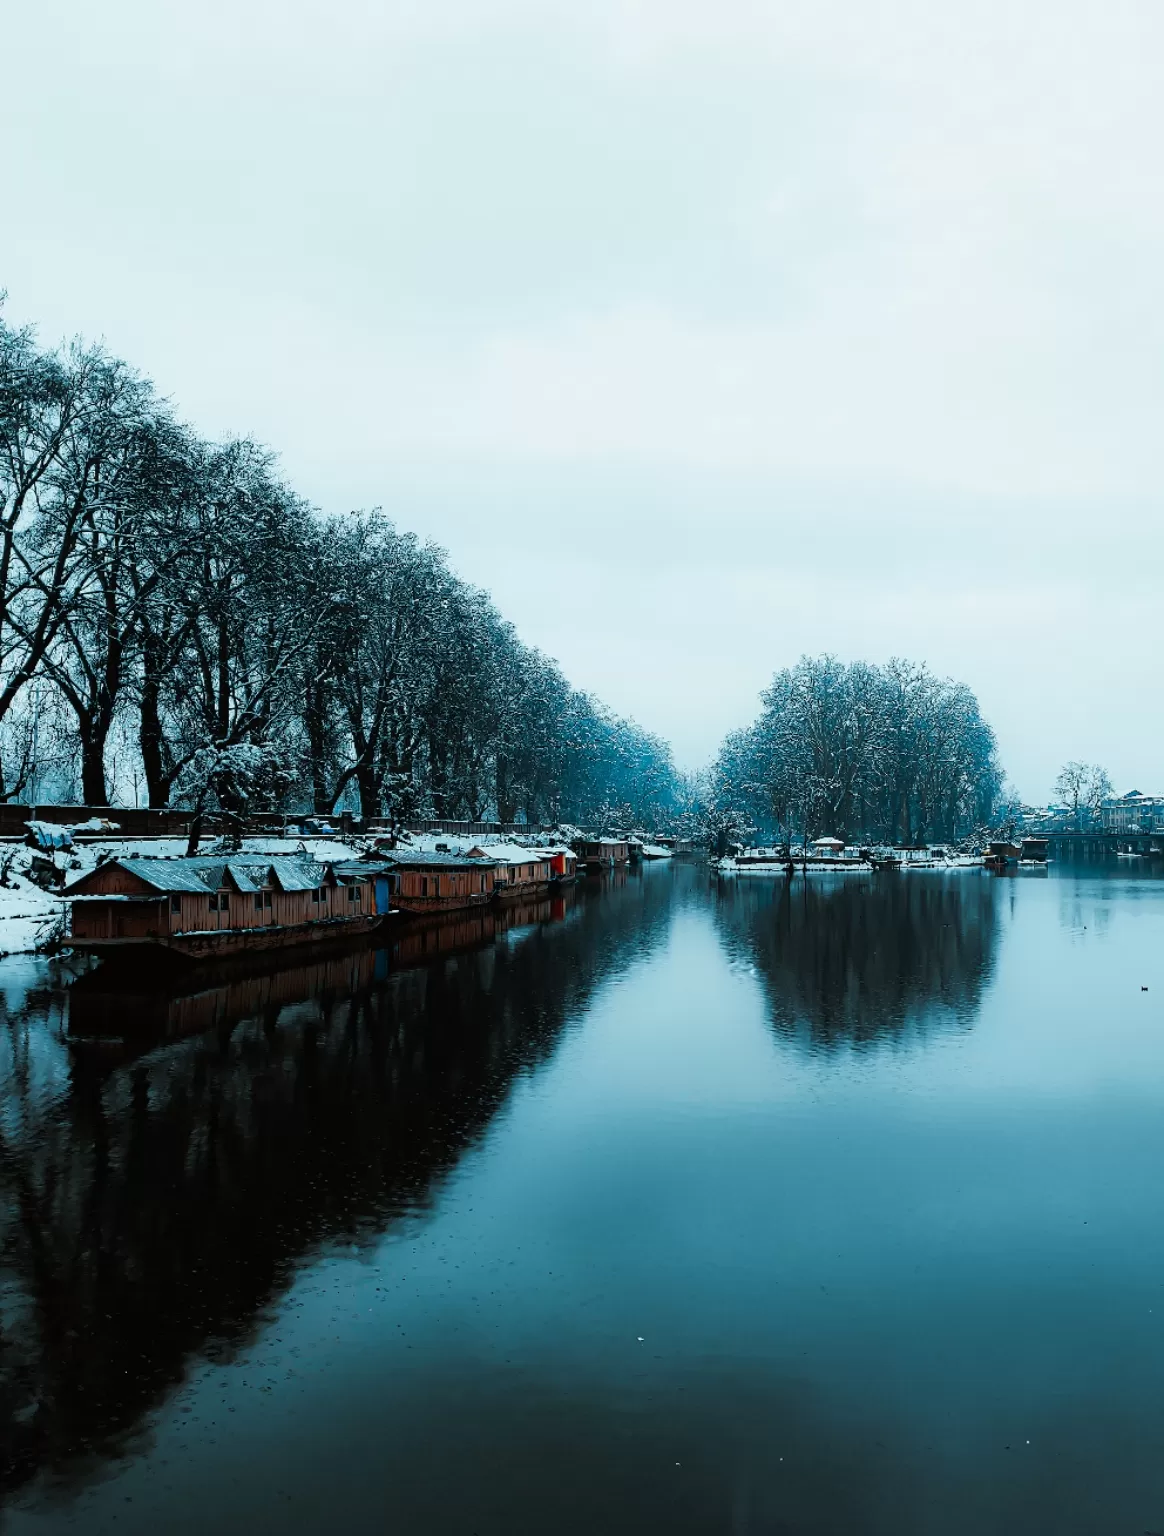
pixel 889 753
pixel 173 614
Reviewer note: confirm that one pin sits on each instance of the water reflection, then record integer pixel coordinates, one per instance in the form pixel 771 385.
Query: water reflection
pixel 167 1162
pixel 857 960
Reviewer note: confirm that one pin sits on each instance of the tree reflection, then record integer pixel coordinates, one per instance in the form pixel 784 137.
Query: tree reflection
pixel 159 1193
pixel 858 960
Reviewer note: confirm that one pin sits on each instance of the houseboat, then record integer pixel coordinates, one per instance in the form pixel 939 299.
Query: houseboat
pixel 563 863
pixel 815 860
pixel 520 872
pixel 420 882
pixel 597 854
pixel 211 906
pixel 1001 856
pixel 942 859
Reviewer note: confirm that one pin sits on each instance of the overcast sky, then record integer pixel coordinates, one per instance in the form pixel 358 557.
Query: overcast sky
pixel 704 333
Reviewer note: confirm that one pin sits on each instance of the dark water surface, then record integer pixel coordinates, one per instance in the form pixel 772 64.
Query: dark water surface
pixel 670 1207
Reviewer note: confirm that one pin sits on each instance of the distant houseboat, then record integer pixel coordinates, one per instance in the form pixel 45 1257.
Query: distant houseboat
pixel 216 906
pixel 423 882
pixel 602 853
pixel 1001 856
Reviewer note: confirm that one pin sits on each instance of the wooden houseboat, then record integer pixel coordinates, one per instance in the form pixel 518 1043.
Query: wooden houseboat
pixel 602 853
pixel 520 872
pixel 1001 856
pixel 420 882
pixel 214 906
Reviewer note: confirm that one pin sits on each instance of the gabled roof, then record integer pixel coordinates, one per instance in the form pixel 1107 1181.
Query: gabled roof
pixel 199 875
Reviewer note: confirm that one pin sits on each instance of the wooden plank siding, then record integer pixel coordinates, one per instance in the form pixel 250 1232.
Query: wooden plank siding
pixel 439 884
pixel 150 914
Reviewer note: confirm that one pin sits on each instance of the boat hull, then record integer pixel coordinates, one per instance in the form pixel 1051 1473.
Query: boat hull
pixel 525 890
pixel 218 944
pixel 428 906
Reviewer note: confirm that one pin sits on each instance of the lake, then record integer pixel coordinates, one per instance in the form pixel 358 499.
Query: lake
pixel 676 1205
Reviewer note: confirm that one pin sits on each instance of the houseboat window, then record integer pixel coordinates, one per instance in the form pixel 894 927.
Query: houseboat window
pixel 315 896
pixel 214 903
pixel 175 904
pixel 258 901
pixel 353 893
pixel 223 901
pixel 266 898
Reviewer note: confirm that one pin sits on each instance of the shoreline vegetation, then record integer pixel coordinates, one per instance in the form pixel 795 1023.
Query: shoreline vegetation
pixel 881 754
pixel 179 627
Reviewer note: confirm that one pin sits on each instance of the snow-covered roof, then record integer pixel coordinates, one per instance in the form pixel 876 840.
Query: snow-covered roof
pixel 249 872
pixel 510 853
pixel 422 858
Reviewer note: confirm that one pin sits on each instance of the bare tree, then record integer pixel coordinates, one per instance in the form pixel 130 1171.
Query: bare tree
pixel 1083 788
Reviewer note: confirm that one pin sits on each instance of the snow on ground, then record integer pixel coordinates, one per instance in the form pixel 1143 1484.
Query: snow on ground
pixel 29 918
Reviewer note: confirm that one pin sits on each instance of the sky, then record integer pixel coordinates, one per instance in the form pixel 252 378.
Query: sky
pixel 703 333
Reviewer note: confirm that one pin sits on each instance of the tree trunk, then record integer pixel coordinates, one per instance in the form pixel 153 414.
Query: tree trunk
pixel 369 790
pixel 315 722
pixel 196 820
pixel 151 740
pixel 94 735
pixel 506 808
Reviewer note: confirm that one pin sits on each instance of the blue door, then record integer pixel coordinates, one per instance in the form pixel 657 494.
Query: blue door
pixel 381 893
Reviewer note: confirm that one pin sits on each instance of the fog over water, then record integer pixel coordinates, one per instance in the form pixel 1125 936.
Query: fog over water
pixel 703 336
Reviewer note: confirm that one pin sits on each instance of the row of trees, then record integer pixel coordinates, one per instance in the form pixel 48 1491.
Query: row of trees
pixel 889 753
pixel 174 616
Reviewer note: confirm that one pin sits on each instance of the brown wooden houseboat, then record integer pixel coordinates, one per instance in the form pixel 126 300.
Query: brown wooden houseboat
pixel 520 872
pixel 423 882
pixel 214 906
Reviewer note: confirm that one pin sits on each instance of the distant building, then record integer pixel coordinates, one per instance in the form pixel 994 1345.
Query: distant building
pixel 1133 812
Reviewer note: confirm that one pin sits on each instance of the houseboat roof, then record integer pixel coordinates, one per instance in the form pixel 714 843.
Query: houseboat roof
pixel 403 858
pixel 511 853
pixel 249 872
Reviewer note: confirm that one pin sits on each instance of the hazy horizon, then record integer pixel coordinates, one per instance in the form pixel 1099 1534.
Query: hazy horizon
pixel 702 338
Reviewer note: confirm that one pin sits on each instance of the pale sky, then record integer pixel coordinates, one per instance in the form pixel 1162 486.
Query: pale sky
pixel 703 333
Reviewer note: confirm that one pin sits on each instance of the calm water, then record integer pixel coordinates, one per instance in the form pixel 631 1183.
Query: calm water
pixel 667 1208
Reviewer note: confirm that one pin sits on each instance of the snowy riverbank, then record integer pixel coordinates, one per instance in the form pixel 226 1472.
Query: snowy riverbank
pixel 34 920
